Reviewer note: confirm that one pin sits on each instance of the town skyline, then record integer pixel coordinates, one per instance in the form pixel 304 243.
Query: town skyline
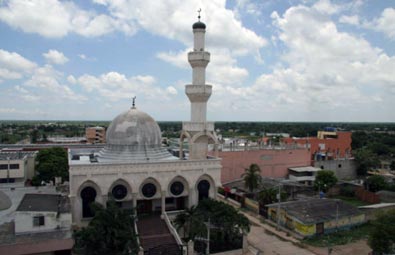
pixel 300 61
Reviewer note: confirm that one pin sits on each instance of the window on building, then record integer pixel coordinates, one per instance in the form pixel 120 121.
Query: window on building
pixel 14 166
pixel 3 167
pixel 38 221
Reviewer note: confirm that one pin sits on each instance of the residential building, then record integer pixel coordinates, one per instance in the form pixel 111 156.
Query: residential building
pixel 305 175
pixel 16 166
pixel 328 144
pixel 95 134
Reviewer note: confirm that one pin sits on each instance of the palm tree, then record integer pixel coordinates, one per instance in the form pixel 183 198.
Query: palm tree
pixel 190 221
pixel 252 177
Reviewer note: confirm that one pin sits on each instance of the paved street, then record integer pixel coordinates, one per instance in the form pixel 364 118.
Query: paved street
pixel 271 244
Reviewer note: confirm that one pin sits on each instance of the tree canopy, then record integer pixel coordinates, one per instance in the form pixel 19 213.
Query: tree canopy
pixel 376 183
pixel 382 237
pixel 365 160
pixel 224 218
pixel 324 180
pixel 111 231
pixel 51 162
pixel 252 177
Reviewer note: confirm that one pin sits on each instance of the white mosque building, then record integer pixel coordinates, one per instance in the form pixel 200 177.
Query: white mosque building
pixel 136 171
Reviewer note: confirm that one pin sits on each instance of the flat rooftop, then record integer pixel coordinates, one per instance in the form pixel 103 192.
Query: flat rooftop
pixel 44 203
pixel 316 210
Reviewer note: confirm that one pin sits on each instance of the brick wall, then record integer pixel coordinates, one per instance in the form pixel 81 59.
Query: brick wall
pixel 273 163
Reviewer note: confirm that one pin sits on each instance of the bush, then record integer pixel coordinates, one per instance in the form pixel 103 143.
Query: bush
pixel 347 191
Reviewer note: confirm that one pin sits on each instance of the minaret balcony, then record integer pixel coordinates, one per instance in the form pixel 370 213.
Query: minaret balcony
pixel 198 126
pixel 198 93
pixel 198 58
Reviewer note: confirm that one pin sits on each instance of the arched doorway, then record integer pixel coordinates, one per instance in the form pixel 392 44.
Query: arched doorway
pixel 88 196
pixel 203 189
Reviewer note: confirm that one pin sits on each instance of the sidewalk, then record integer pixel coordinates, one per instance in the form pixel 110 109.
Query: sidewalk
pixel 269 240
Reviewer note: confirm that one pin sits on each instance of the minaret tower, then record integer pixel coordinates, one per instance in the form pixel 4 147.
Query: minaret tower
pixel 198 131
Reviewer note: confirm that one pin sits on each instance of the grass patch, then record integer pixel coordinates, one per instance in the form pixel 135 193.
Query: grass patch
pixel 351 200
pixel 341 237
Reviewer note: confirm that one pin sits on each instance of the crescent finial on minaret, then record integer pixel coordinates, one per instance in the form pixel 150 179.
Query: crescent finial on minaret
pixel 134 102
pixel 200 9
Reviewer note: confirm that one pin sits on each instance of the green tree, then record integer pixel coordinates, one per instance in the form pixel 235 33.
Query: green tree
pixel 392 166
pixel 382 237
pixel 324 180
pixel 227 221
pixel 376 183
pixel 111 231
pixel 268 196
pixel 52 162
pixel 34 136
pixel 365 160
pixel 252 177
pixel 191 223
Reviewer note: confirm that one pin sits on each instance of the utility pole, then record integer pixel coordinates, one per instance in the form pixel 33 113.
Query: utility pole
pixel 8 170
pixel 208 236
pixel 278 206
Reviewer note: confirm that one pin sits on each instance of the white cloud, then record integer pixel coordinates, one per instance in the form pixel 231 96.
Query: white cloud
pixel 115 86
pixel 56 57
pixel 55 19
pixel 14 61
pixel 385 23
pixel 8 110
pixel 352 20
pixel 171 90
pixel 9 75
pixel 324 74
pixel 49 81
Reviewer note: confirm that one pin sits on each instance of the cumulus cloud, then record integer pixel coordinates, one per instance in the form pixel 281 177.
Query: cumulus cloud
pixel 352 20
pixel 114 86
pixel 14 61
pixel 322 71
pixel 49 81
pixel 55 19
pixel 14 66
pixel 55 57
pixel 384 24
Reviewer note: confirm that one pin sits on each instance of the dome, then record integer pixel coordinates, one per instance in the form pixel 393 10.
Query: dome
pixel 134 128
pixel 133 136
pixel 199 25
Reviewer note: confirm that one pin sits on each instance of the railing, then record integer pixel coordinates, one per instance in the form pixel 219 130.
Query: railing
pixel 173 231
pixel 137 234
pixel 198 126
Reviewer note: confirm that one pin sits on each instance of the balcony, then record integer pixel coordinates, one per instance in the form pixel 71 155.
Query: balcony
pixel 198 126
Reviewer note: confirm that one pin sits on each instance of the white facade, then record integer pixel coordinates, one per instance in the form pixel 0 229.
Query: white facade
pixel 24 222
pixel 137 172
pixel 14 169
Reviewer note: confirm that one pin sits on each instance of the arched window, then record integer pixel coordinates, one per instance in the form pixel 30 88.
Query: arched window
pixel 203 189
pixel 88 196
pixel 177 188
pixel 119 192
pixel 149 190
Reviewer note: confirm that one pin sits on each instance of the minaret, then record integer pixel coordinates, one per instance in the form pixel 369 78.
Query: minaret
pixel 198 131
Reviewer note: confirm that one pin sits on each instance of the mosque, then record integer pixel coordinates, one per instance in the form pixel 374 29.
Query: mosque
pixel 136 170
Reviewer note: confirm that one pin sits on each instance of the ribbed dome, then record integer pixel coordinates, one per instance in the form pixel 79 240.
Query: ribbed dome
pixel 134 128
pixel 133 136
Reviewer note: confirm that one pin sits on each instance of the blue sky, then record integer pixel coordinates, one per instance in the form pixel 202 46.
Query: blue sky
pixel 295 60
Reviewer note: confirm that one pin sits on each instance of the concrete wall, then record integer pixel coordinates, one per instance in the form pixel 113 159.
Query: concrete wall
pixel 310 229
pixel 343 168
pixel 102 177
pixel 273 162
pixel 14 173
pixel 24 222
